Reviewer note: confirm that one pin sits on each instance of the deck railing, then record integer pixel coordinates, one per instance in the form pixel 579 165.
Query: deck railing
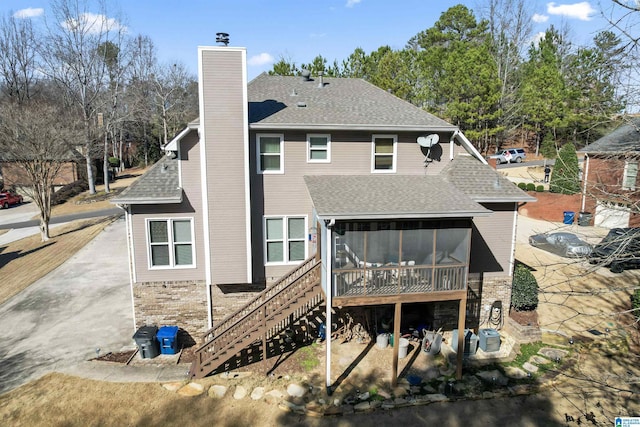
pixel 393 280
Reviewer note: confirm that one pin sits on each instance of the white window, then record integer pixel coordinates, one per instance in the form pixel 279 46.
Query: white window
pixel 383 154
pixel 285 239
pixel 170 243
pixel 318 148
pixel 630 175
pixel 270 151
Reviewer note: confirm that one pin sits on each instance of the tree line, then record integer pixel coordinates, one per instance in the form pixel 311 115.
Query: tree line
pixel 486 74
pixel 80 85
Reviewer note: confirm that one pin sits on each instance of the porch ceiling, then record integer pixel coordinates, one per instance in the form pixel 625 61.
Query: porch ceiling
pixel 389 196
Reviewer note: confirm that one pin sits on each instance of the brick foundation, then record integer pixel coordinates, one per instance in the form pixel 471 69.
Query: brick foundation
pixel 226 299
pixel 182 304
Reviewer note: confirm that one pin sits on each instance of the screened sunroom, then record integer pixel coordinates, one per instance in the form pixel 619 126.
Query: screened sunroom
pixel 400 256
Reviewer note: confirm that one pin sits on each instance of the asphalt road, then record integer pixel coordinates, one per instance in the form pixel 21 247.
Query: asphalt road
pixel 15 217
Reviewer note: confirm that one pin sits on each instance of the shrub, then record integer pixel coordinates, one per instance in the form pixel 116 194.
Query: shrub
pixel 524 293
pixel 531 186
pixel 522 186
pixel 114 162
pixel 540 188
pixel 548 146
pixel 635 303
pixel 68 191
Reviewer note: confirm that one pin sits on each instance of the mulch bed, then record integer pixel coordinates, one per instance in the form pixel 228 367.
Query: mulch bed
pixel 120 357
pixel 525 318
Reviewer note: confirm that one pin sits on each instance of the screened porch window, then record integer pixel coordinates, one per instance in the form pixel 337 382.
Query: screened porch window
pixel 171 243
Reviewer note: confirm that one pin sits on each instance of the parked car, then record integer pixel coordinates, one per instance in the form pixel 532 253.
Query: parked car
pixel 619 250
pixel 564 244
pixel 509 156
pixel 9 198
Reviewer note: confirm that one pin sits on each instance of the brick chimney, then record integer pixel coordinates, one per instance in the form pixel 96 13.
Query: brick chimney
pixel 493 163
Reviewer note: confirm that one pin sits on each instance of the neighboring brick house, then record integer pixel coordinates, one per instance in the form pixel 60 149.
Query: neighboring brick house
pixel 610 182
pixel 396 204
pixel 14 175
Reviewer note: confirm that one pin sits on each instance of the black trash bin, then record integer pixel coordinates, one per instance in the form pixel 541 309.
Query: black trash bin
pixel 147 343
pixel 584 218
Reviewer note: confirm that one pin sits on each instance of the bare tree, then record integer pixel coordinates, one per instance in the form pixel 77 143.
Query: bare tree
pixel 171 86
pixel 18 55
pixel 75 62
pixel 33 136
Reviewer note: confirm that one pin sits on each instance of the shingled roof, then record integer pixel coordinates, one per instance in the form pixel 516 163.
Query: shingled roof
pixel 339 103
pixel 625 139
pixel 159 185
pixel 481 182
pixel 389 196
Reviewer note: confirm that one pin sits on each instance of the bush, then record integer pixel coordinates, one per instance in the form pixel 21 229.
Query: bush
pixel 114 162
pixel 540 188
pixel 635 303
pixel 522 186
pixel 524 293
pixel 68 191
pixel 531 186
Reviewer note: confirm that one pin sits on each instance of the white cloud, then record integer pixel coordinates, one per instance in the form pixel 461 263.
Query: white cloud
pixel 261 59
pixel 581 11
pixel 30 12
pixel 351 3
pixel 539 18
pixel 537 37
pixel 94 23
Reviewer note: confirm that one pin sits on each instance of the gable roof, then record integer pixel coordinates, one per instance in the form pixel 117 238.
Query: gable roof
pixel 159 185
pixel 285 102
pixel 482 183
pixel 624 139
pixel 389 196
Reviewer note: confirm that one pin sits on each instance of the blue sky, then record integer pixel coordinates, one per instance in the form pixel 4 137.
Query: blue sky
pixel 300 30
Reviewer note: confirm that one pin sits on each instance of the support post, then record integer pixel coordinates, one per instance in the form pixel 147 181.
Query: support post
pixel 328 295
pixel 397 318
pixel 461 323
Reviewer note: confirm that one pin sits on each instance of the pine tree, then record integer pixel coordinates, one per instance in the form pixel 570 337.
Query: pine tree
pixel 565 178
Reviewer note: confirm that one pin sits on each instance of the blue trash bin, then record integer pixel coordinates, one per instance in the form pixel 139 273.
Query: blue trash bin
pixel 568 217
pixel 168 339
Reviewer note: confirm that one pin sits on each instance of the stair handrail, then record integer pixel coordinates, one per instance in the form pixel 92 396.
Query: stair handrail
pixel 248 310
pixel 211 341
pixel 258 300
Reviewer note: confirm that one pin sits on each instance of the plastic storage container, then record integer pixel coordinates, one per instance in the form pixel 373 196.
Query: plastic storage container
pixel 470 342
pixel 145 338
pixel 568 217
pixel 489 340
pixel 168 339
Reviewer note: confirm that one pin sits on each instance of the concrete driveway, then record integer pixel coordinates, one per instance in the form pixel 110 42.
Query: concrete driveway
pixel 64 317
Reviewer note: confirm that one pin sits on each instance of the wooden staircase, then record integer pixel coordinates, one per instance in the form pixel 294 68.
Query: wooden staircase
pixel 266 316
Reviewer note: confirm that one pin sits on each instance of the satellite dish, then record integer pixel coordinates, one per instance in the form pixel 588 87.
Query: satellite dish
pixel 428 141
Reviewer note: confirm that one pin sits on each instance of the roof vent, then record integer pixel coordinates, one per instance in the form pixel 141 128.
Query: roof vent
pixel 294 93
pixel 301 104
pixel 306 75
pixel 321 81
pixel 222 38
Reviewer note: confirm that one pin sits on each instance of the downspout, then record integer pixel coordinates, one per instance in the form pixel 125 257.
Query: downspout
pixel 451 143
pixel 328 295
pixel 128 227
pixel 512 258
pixel 584 183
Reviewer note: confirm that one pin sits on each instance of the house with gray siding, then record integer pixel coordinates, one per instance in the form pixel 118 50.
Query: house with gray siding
pixel 313 191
